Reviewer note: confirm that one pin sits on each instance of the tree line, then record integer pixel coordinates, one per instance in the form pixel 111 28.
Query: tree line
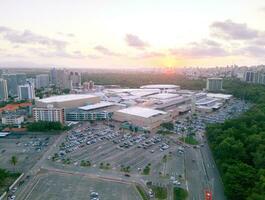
pixel 135 80
pixel 43 126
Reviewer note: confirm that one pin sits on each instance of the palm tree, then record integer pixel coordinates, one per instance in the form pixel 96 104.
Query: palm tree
pixel 14 161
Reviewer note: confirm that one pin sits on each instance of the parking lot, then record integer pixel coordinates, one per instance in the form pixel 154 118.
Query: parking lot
pixel 26 147
pixel 68 187
pixel 198 122
pixel 106 148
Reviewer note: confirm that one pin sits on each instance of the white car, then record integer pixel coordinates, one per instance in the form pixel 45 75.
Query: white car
pixel 176 183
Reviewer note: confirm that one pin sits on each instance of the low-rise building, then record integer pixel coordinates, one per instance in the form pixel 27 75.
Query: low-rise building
pixel 68 101
pixel 12 119
pixel 98 111
pixel 146 118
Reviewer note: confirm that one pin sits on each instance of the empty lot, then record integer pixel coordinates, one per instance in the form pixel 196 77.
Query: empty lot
pixel 55 186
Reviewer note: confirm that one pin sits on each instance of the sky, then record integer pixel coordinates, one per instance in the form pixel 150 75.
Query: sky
pixel 132 33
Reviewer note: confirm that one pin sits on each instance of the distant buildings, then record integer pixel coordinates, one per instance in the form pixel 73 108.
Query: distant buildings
pixel 13 80
pixel 75 78
pixel 3 90
pixel 65 79
pixel 42 81
pixel 88 85
pixel 257 77
pixel 214 84
pixel 26 92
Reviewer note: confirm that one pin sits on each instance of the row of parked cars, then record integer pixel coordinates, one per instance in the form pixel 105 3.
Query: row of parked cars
pixel 79 138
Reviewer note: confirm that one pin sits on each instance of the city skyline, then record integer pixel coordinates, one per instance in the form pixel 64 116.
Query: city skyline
pixel 132 34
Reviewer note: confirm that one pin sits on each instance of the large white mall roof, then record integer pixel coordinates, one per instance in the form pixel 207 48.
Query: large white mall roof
pixel 219 95
pixel 160 86
pixel 102 104
pixel 63 98
pixel 141 111
pixel 164 96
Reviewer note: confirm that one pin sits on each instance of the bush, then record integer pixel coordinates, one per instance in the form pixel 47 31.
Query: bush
pixel 168 126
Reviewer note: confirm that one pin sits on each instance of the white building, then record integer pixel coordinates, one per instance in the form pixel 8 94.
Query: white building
pixel 26 92
pixel 68 101
pixel 12 119
pixel 3 90
pixel 49 113
pixel 146 118
pixel 42 81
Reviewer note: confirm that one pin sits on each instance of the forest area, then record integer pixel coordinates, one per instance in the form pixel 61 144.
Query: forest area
pixel 238 145
pixel 135 80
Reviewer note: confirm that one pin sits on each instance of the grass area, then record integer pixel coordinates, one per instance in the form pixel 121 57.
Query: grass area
pixel 160 192
pixel 189 140
pixel 85 163
pixel 125 169
pixel 142 192
pixel 105 166
pixel 180 194
pixel 6 179
pixel 147 169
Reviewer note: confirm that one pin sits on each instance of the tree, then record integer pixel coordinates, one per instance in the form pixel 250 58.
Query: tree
pixel 168 126
pixel 238 178
pixel 14 161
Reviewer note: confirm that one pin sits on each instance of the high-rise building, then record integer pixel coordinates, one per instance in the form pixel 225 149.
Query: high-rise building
pixel 3 90
pixel 75 78
pixel 49 113
pixel 60 78
pixel 13 80
pixel 53 74
pixel 42 81
pixel 91 85
pixel 214 84
pixel 26 92
pixel 257 77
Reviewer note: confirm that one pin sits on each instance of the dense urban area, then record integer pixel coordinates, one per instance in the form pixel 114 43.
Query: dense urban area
pixel 195 134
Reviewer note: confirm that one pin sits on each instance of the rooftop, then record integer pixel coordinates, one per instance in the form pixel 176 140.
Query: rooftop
pixel 216 78
pixel 164 96
pixel 63 98
pixel 141 111
pixel 102 104
pixel 159 86
pixel 219 95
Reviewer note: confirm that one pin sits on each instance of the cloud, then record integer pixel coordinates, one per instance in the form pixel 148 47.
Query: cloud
pixel 262 9
pixel 61 53
pixel 28 37
pixel 256 51
pixel 135 41
pixel 205 48
pixel 105 51
pixel 151 54
pixel 66 34
pixel 235 31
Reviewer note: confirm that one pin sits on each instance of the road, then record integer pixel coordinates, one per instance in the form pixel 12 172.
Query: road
pixel 214 178
pixel 202 174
